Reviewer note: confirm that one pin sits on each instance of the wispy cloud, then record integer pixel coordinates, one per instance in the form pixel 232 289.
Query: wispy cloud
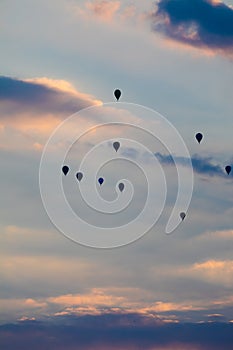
pixel 110 12
pixel 41 95
pixel 104 9
pixel 200 23
pixel 204 166
pixel 30 109
pixel 215 271
pixel 217 235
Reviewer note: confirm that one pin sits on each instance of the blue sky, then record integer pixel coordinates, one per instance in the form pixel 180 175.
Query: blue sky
pixel 175 57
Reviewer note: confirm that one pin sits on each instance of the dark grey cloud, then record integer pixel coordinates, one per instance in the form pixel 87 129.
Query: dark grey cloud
pixel 17 96
pixel 201 23
pixel 205 166
pixel 200 165
pixel 129 331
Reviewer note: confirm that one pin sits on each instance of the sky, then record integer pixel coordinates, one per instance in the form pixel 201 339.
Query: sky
pixel 160 292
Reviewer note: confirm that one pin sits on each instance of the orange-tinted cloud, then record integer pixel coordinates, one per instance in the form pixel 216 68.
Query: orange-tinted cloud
pixel 39 98
pixel 35 107
pixel 217 235
pixel 99 301
pixel 108 12
pixel 215 271
pixel 104 9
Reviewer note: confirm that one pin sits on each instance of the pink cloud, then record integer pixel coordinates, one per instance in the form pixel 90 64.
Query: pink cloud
pixel 31 109
pixel 104 9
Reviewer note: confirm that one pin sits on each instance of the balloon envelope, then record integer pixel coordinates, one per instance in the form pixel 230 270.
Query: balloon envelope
pixel 182 215
pixel 116 145
pixel 117 94
pixel 199 137
pixel 65 169
pixel 228 169
pixel 100 180
pixel 79 176
pixel 121 187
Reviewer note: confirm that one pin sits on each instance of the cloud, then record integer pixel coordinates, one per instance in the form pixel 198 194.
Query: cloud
pixel 104 9
pixel 216 318
pixel 40 96
pixel 215 271
pixel 200 23
pixel 115 331
pixel 217 235
pixel 110 12
pixel 99 301
pixel 200 165
pixel 31 109
pixel 97 298
pixel 205 166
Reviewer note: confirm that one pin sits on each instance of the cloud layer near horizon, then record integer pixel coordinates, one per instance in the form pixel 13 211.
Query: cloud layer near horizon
pixel 114 331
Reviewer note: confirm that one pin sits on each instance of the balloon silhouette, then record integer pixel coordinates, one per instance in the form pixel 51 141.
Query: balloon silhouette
pixel 199 137
pixel 117 94
pixel 182 215
pixel 116 145
pixel 65 169
pixel 79 176
pixel 100 180
pixel 121 187
pixel 228 169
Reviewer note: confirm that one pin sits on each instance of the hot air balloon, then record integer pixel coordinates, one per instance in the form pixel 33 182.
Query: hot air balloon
pixel 121 187
pixel 117 94
pixel 182 216
pixel 79 176
pixel 101 181
pixel 199 137
pixel 228 169
pixel 116 145
pixel 65 169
